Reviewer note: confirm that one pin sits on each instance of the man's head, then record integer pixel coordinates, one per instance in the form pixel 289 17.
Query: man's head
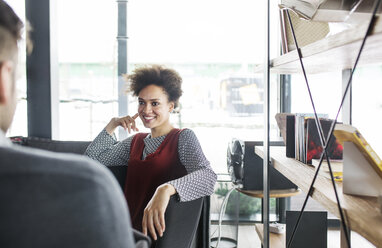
pixel 10 34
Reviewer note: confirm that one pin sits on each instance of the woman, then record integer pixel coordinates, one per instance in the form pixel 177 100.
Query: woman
pixel 165 162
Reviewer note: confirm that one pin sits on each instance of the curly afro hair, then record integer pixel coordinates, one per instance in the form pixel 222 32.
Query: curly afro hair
pixel 167 78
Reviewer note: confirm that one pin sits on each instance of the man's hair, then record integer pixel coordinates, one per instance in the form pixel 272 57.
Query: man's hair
pixel 158 75
pixel 10 32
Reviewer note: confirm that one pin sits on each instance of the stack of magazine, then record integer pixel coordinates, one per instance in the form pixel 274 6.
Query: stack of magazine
pixel 348 133
pixel 302 139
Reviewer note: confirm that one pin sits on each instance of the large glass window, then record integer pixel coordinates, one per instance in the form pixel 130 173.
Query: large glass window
pixel 215 46
pixel 87 56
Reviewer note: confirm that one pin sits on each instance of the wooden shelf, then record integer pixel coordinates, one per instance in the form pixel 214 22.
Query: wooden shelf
pixel 275 239
pixel 333 53
pixel 363 213
pixel 272 193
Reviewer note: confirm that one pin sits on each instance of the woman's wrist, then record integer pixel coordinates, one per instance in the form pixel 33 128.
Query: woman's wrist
pixel 167 188
pixel 110 127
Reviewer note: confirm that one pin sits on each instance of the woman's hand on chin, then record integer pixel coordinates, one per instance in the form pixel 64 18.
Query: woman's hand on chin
pixel 127 122
pixel 153 215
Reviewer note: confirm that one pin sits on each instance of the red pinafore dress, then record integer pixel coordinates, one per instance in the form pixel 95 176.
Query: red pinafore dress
pixel 144 176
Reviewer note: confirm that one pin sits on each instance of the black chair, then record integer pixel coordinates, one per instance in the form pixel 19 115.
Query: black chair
pixel 59 200
pixel 187 223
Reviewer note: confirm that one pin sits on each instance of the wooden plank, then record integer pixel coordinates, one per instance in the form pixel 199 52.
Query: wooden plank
pixel 272 194
pixel 362 213
pixel 334 53
pixel 275 239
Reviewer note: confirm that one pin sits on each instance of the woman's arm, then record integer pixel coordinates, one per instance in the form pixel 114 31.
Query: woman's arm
pixel 108 151
pixel 105 147
pixel 200 179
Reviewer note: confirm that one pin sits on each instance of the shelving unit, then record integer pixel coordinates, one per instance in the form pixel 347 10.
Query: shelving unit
pixel 363 213
pixel 334 53
pixel 337 52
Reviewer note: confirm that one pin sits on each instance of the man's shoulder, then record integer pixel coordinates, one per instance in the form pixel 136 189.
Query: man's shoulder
pixel 34 154
pixel 32 160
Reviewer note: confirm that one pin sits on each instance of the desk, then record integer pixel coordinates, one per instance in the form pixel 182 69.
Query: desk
pixel 362 213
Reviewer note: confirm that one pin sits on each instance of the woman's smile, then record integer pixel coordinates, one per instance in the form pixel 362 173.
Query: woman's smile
pixel 148 119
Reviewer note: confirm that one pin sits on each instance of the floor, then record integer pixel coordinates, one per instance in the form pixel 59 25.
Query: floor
pixel 248 239
pixel 246 235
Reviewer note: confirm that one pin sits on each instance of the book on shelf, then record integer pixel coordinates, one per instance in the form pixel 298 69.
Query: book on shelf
pixel 281 119
pixel 290 134
pixel 314 149
pixel 286 124
pixel 348 133
pixel 306 32
pixel 301 136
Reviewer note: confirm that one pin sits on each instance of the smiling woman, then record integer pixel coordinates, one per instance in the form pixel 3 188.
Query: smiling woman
pixel 154 110
pixel 162 163
pixel 158 90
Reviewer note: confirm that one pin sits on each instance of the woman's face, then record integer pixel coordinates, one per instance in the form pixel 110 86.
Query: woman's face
pixel 153 106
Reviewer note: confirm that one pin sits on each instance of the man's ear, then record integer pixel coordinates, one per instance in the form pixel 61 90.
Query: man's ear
pixel 6 70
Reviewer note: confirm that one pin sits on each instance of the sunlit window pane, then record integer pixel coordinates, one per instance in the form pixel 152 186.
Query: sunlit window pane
pixel 87 53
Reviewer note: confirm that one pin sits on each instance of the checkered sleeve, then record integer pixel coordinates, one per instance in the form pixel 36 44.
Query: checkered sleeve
pixel 200 179
pixel 108 151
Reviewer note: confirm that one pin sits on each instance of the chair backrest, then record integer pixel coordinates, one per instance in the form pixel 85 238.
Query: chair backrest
pixel 59 200
pixel 77 147
pixel 187 223
pixel 182 220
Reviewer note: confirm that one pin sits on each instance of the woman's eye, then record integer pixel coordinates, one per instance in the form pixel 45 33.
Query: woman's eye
pixel 141 103
pixel 155 103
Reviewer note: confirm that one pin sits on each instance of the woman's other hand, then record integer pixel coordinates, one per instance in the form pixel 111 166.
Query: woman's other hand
pixel 126 122
pixel 153 216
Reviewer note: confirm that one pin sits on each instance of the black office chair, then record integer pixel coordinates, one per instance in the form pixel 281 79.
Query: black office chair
pixel 187 223
pixel 65 202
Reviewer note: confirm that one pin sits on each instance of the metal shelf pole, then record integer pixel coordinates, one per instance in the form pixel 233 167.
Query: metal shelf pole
pixel 266 129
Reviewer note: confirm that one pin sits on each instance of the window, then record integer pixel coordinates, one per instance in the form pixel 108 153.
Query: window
pixel 214 45
pixel 87 56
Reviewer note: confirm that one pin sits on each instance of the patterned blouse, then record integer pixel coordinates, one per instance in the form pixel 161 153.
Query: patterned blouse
pixel 200 178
